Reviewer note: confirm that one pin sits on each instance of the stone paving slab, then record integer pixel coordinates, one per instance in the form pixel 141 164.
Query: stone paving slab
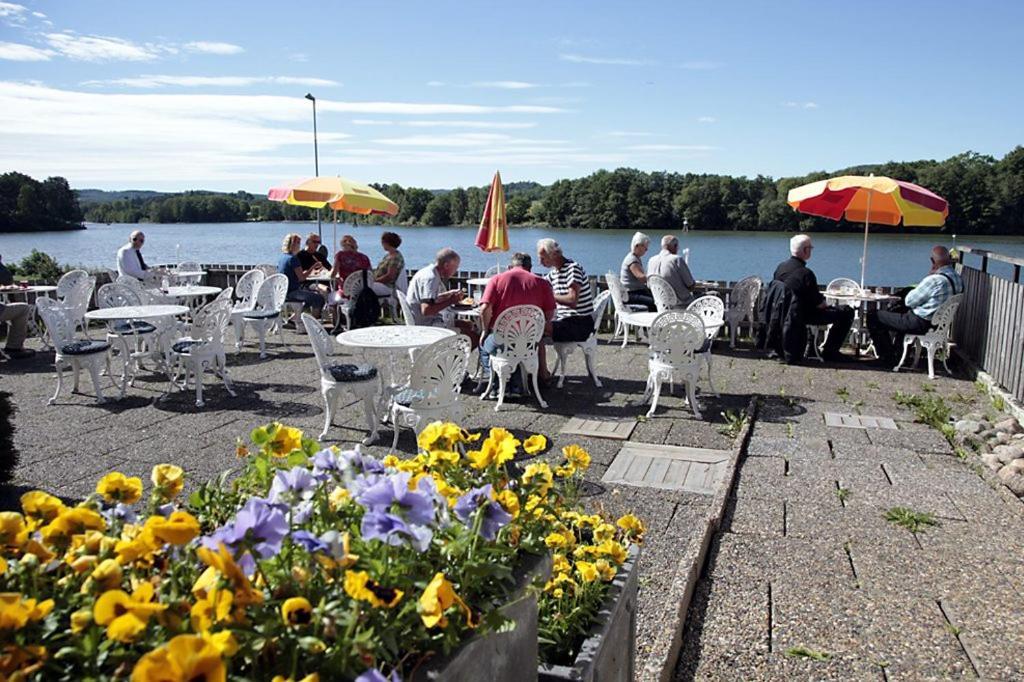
pixel 790 448
pixel 918 441
pixel 744 558
pixel 990 623
pixel 755 516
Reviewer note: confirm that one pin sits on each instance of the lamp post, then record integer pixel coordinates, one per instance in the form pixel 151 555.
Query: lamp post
pixel 316 160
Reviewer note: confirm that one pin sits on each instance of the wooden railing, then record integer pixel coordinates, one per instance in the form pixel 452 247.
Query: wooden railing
pixel 990 319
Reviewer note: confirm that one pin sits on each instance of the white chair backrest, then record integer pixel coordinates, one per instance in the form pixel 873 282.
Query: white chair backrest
pixel 210 321
pixel 353 284
pixel 842 285
pixel 267 270
pixel 403 303
pixel 675 337
pixel 494 270
pixel 520 329
pixel 617 295
pixel 438 372
pixel 271 294
pixel 744 295
pixel 224 295
pixel 942 319
pixel 135 285
pixel 77 299
pixel 68 281
pixel 664 295
pixel 59 323
pixel 189 266
pixel 320 340
pixel 245 288
pixel 117 295
pixel 152 280
pixel 600 303
pixel 711 312
pixel 402 281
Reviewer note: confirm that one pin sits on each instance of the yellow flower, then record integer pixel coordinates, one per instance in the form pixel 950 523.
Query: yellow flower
pixel 438 457
pixel 16 612
pixel 3 565
pixel 69 522
pixel 559 564
pixel 587 571
pixel 116 487
pixel 559 583
pixel 138 546
pixel 560 540
pixel 541 472
pixel 13 532
pixel 107 575
pixel 223 641
pixel 603 532
pixel 338 498
pixel 184 658
pixel 286 439
pixel 359 585
pixel 534 444
pixel 509 501
pixel 221 562
pixel 614 550
pixel 438 597
pixel 214 608
pixel 296 611
pixel 177 529
pixel 126 616
pixel 577 456
pixel 312 677
pixel 565 471
pixel 632 525
pixel 41 506
pixel 80 620
pixel 168 479
pixel 606 570
pixel 441 436
pixel 19 663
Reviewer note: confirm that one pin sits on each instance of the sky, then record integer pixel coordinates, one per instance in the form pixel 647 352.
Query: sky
pixel 210 95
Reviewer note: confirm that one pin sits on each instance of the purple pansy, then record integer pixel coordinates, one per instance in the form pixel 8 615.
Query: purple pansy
pixel 121 512
pixel 374 675
pixel 494 516
pixel 326 464
pixel 308 541
pixel 392 494
pixel 258 525
pixel 293 490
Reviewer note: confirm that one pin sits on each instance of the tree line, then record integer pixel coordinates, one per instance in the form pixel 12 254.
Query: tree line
pixel 27 204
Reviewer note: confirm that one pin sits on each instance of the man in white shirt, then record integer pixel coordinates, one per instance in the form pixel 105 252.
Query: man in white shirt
pixel 129 257
pixel 671 266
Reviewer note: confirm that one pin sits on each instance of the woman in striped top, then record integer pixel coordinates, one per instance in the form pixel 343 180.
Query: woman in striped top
pixel 574 312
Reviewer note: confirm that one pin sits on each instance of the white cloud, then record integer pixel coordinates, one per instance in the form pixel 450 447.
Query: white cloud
pixel 800 105
pixel 700 65
pixel 103 48
pixel 16 52
pixel 425 108
pixel 628 133
pixel 39 15
pixel 12 11
pixel 207 47
pixel 456 140
pixel 505 85
pixel 616 61
pixel 435 84
pixel 298 57
pixel 477 125
pixel 158 81
pixel 706 119
pixel 670 148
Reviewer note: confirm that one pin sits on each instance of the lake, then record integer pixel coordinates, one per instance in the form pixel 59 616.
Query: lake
pixel 893 260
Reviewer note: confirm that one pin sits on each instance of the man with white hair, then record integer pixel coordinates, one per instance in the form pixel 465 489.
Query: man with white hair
pixel 129 257
pixel 632 275
pixel 670 266
pixel 428 295
pixel 921 303
pixel 800 280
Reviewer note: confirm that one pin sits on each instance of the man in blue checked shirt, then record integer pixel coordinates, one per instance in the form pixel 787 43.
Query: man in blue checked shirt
pixel 935 289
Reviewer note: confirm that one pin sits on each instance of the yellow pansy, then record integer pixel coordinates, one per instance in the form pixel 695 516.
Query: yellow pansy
pixel 441 436
pixel 632 525
pixel 438 457
pixel 116 487
pixel 223 641
pixel 438 597
pixel 286 439
pixel 107 575
pixel 587 571
pixel 312 677
pixel 177 529
pixel 296 611
pixel 606 570
pixel 359 585
pixel 139 548
pixel 577 456
pixel 338 498
pixel 186 657
pixel 559 564
pixel 534 444
pixel 540 473
pixel 41 506
pixel 560 540
pixel 221 562
pixel 603 532
pixel 80 620
pixel 69 522
pixel 168 479
pixel 3 565
pixel 614 550
pixel 13 532
pixel 16 612
pixel 126 616
pixel 211 609
pixel 565 471
pixel 509 501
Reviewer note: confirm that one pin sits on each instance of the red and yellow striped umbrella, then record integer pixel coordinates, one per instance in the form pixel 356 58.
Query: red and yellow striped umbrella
pixel 493 233
pixel 872 200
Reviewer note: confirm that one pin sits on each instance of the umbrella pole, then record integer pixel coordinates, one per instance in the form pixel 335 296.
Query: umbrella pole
pixel 864 256
pixel 334 245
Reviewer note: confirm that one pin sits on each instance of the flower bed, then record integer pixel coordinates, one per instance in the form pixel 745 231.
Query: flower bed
pixel 313 562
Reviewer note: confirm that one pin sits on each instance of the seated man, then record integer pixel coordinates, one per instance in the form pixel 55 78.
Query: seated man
pixel 428 295
pixel 313 262
pixel 800 280
pixel 129 257
pixel 941 282
pixel 669 265
pixel 574 299
pixel 290 266
pixel 515 286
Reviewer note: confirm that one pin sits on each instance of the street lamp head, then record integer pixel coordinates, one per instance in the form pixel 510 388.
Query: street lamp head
pixel 310 97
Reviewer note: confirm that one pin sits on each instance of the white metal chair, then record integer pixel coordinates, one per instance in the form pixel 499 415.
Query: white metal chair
pixel 664 295
pixel 203 348
pixel 74 291
pixel 494 270
pixel 76 353
pixel 519 330
pixel 131 335
pixel 840 285
pixel 403 303
pixel 676 337
pixel 266 311
pixel 626 316
pixel 935 338
pixel 187 266
pixel 360 379
pixel 742 304
pixel 434 386
pixel 711 311
pixel 350 290
pixel 245 293
pixel 589 347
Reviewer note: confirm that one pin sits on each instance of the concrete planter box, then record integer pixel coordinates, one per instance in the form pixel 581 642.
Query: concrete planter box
pixel 609 653
pixel 499 656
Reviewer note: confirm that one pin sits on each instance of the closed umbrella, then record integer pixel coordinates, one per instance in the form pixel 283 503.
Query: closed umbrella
pixel 870 199
pixel 493 233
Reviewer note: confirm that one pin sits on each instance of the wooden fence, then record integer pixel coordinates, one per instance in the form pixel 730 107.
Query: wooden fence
pixel 989 323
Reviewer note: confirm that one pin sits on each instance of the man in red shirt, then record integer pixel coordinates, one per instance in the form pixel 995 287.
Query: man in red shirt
pixel 515 286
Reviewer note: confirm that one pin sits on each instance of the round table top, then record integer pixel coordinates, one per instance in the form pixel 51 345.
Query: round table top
pixel 860 297
pixel 190 290
pixel 31 289
pixel 478 281
pixel 136 312
pixel 393 337
pixel 188 273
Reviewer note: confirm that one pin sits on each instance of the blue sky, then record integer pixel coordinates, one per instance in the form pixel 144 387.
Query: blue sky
pixel 209 95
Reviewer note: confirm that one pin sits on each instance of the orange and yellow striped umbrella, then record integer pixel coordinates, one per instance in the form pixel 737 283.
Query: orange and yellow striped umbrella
pixel 493 233
pixel 336 192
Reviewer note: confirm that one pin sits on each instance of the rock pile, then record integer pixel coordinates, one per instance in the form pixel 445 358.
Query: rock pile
pixel 1000 444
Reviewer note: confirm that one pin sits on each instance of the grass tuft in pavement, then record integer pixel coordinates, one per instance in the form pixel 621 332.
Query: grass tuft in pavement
pixel 811 654
pixel 911 520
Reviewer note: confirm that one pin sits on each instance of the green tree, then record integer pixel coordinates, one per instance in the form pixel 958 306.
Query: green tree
pixel 437 212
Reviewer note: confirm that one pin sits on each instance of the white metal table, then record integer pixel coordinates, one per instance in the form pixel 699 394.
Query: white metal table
pixel 858 300
pixel 191 294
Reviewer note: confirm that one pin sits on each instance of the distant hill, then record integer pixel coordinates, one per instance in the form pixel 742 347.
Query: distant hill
pixel 100 196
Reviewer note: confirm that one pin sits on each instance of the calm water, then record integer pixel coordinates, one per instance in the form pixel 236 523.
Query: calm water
pixel 892 259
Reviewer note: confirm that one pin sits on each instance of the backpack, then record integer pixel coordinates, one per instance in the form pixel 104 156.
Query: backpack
pixel 366 310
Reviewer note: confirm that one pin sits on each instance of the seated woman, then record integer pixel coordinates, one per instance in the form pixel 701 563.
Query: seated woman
pixel 348 260
pixel 632 274
pixel 390 268
pixel 290 266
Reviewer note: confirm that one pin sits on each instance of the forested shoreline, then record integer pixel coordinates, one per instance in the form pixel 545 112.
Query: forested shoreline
pixel 985 194
pixel 28 205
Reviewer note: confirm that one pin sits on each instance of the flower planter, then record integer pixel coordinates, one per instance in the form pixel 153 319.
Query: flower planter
pixel 608 653
pixel 499 656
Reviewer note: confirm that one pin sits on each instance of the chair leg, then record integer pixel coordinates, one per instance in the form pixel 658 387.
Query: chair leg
pixel 370 412
pixel 945 357
pixel 94 372
pixel 732 335
pixel 691 394
pixel 280 335
pixel 60 380
pixel 198 371
pixel 330 397
pixel 262 329
pixel 536 390
pixel 588 357
pixel 707 360
pixel 76 367
pixel 931 360
pixel 655 394
pixel 490 381
pixel 906 345
pixel 625 334
pixel 502 382
pixel 395 427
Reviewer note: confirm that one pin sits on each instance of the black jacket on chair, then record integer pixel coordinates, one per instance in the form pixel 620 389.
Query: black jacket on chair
pixel 783 330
